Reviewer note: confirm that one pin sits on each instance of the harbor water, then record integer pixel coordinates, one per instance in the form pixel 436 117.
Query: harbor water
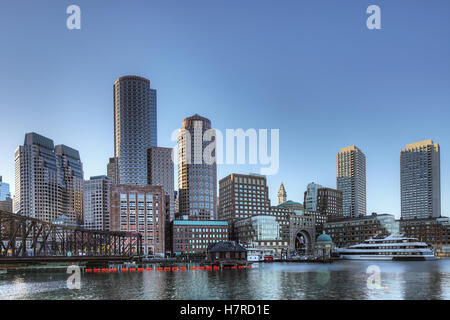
pixel 358 280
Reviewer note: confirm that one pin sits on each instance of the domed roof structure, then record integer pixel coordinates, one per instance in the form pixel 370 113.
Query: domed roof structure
pixel 290 203
pixel 324 238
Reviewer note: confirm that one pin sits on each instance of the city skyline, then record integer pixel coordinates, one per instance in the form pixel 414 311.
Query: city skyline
pixel 384 96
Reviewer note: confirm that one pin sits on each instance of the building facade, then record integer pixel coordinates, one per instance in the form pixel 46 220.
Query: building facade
pixel 4 190
pixel 5 197
pixel 351 180
pixel 97 203
pixel 161 172
pixel 140 208
pixel 197 177
pixel 48 180
pixel 242 196
pixel 329 203
pixel 260 231
pixel 432 231
pixel 350 231
pixel 282 216
pixel 195 236
pixel 135 128
pixel 72 181
pixel 310 198
pixel 302 226
pixel 111 169
pixel 420 180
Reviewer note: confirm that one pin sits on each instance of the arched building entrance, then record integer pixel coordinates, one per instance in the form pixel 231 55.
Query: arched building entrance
pixel 302 242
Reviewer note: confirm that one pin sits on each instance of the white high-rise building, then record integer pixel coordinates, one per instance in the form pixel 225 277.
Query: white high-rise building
pixel 97 203
pixel 420 180
pixel 48 179
pixel 351 180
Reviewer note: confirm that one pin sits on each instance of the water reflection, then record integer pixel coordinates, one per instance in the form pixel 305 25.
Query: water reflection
pixel 274 281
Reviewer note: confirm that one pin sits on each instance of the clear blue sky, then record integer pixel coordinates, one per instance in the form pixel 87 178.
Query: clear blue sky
pixel 309 68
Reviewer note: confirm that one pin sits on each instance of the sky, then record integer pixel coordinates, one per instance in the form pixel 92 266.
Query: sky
pixel 311 69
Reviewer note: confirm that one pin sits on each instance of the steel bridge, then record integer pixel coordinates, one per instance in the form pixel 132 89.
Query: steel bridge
pixel 25 239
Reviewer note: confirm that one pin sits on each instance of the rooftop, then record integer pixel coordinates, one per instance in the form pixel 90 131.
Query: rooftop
pixel 226 246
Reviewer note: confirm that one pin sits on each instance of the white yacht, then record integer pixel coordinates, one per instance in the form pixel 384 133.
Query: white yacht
pixel 393 247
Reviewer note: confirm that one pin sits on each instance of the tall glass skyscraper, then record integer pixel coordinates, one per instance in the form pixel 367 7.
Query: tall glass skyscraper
pixel 420 180
pixel 351 180
pixel 4 190
pixel 135 128
pixel 310 197
pixel 197 178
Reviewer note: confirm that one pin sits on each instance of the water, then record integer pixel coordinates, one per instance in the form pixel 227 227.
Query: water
pixel 271 281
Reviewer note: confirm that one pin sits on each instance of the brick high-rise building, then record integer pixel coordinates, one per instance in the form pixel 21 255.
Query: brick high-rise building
pixel 140 208
pixel 242 196
pixel 329 203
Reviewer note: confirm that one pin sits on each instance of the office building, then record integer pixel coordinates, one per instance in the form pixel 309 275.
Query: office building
pixel 433 231
pixel 71 172
pixel 420 180
pixel 96 203
pixel 140 208
pixel 242 196
pixel 197 177
pixel 5 197
pixel 111 169
pixel 310 197
pixel 350 231
pixel 329 203
pixel 260 231
pixel 195 236
pixel 134 128
pixel 48 180
pixel 161 172
pixel 4 190
pixel 351 180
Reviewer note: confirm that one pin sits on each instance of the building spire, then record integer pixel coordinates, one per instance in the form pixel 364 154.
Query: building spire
pixel 281 194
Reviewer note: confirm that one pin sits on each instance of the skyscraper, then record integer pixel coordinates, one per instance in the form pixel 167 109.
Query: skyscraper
pixel 197 177
pixel 4 190
pixel 111 169
pixel 329 203
pixel 161 173
pixel 97 203
pixel 135 128
pixel 49 180
pixel 420 180
pixel 351 180
pixel 5 197
pixel 243 196
pixel 310 197
pixel 71 171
